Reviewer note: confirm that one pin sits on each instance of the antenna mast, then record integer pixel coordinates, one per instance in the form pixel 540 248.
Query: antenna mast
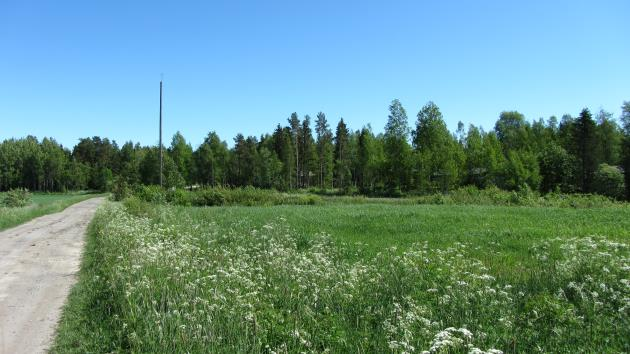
pixel 161 152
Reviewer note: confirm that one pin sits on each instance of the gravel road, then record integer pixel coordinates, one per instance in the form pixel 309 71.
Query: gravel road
pixel 38 264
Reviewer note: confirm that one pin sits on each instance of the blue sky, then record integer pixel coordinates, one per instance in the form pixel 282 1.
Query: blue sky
pixel 70 69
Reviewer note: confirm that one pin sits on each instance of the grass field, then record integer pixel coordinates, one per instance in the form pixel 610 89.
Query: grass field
pixel 42 204
pixel 352 278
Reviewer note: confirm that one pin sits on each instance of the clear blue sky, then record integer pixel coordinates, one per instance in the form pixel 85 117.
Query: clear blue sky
pixel 71 69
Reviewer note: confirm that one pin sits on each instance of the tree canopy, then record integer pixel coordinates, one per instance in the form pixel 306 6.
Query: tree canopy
pixel 581 154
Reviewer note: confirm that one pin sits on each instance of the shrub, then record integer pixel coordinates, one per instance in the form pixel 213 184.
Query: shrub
pixel 609 181
pixel 311 200
pixel 17 198
pixel 151 194
pixel 525 196
pixel 120 190
pixel 137 207
pixel 248 196
pixel 207 197
pixel 179 197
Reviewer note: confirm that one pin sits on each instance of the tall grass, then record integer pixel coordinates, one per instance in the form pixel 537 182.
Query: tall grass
pixel 166 279
pixel 250 196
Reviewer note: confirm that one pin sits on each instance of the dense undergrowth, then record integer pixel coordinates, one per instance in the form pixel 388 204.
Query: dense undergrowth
pixel 523 197
pixel 250 196
pixel 162 279
pixel 15 198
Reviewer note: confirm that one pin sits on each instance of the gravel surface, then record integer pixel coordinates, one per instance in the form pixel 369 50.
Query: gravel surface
pixel 39 261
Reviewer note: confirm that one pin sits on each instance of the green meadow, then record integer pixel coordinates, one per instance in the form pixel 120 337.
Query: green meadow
pixel 347 277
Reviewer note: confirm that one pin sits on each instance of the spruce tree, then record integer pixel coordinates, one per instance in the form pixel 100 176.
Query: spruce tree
pixel 585 150
pixel 342 162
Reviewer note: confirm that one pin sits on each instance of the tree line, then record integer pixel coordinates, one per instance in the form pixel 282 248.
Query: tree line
pixel 584 154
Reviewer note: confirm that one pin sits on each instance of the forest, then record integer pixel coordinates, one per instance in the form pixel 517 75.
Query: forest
pixel 587 153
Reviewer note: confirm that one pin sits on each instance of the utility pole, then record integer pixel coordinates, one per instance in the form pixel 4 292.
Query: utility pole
pixel 161 152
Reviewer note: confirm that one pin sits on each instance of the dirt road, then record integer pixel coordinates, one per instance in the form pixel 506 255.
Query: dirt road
pixel 38 264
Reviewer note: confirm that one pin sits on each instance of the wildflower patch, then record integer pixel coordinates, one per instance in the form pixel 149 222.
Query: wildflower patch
pixel 191 285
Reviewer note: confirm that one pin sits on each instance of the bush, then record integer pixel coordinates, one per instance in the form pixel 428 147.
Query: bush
pixel 248 196
pixel 207 197
pixel 151 194
pixel 179 197
pixel 609 181
pixel 120 190
pixel 525 196
pixel 310 200
pixel 17 198
pixel 136 207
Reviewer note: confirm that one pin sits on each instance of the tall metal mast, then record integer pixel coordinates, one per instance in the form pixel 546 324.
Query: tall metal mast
pixel 161 152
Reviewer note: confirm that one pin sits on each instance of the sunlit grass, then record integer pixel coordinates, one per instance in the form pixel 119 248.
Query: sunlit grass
pixel 353 278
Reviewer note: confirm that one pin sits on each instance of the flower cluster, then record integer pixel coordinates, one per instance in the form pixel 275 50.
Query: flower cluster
pixel 185 284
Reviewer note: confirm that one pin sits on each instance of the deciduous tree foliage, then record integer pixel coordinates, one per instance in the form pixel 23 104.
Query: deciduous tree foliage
pixel 397 149
pixel 570 155
pixel 439 155
pixel 182 154
pixel 211 161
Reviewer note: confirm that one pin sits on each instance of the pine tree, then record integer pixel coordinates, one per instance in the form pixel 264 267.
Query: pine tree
pixel 307 152
pixel 325 158
pixel 294 124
